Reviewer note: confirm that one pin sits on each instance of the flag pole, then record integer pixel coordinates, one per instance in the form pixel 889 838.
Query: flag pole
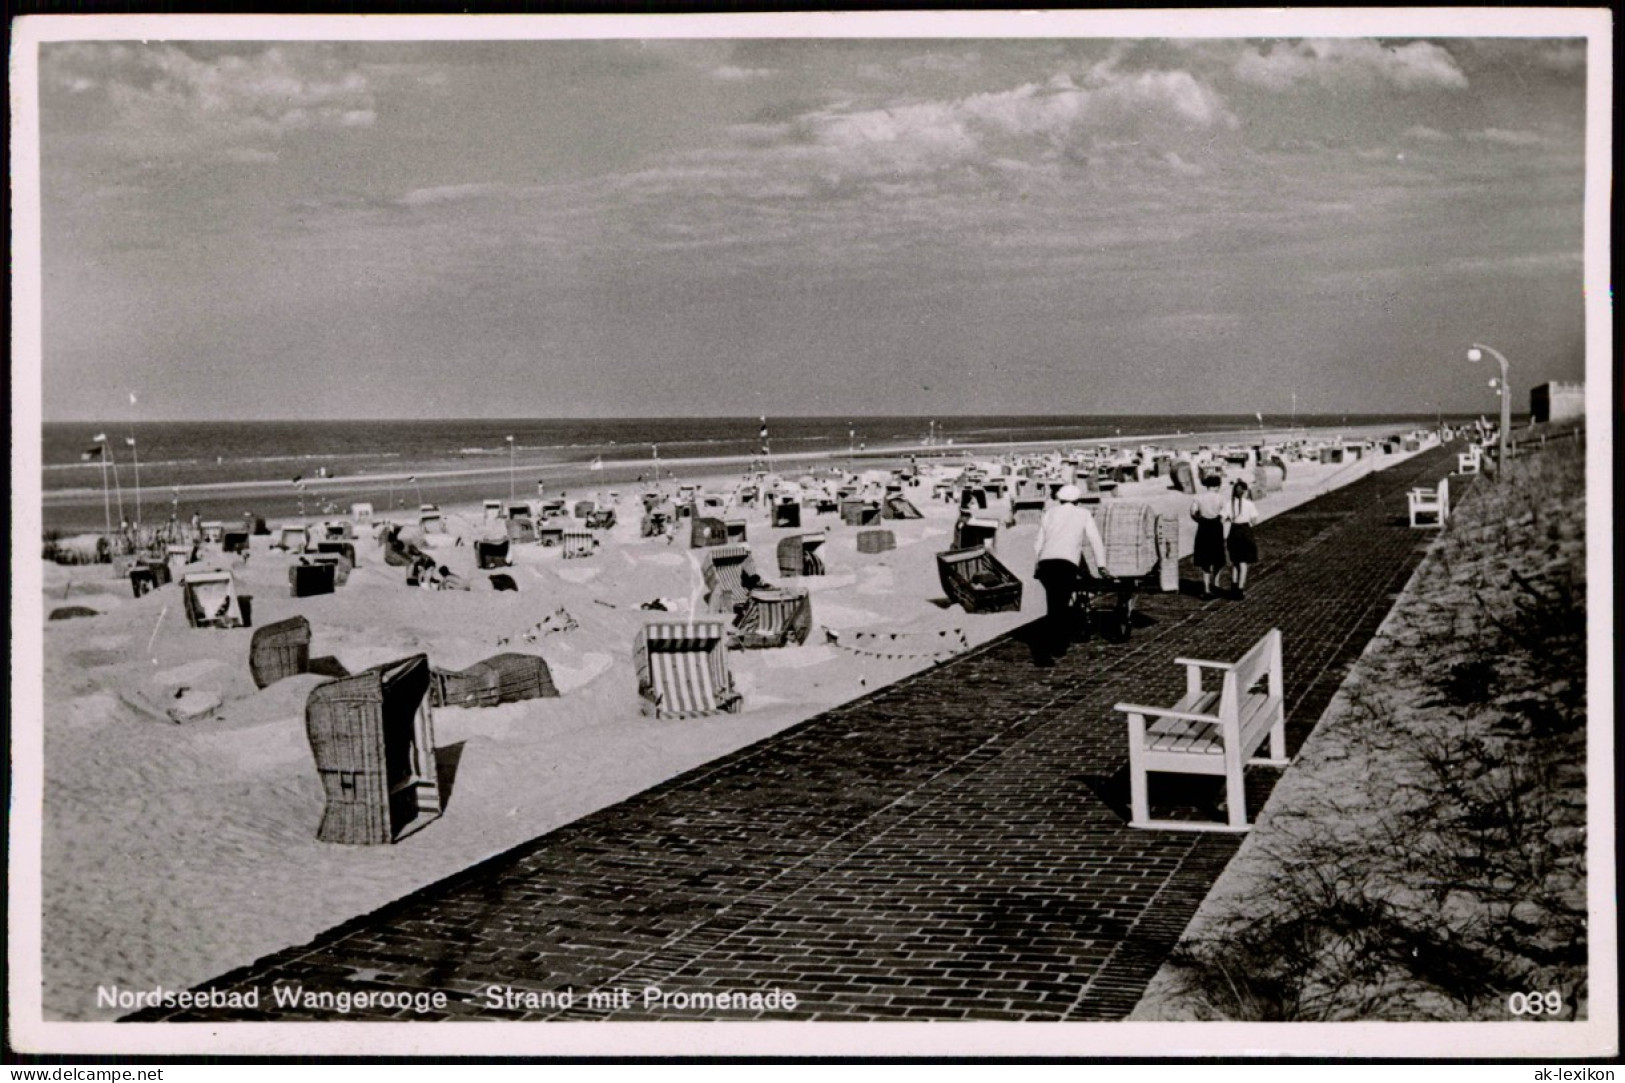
pixel 107 507
pixel 135 458
pixel 118 490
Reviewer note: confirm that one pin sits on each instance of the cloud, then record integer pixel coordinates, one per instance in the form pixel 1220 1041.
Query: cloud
pixel 1509 138
pixel 235 104
pixel 1351 61
pixel 731 73
pixel 1421 133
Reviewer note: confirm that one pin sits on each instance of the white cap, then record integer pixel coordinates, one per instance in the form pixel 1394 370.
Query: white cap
pixel 1069 494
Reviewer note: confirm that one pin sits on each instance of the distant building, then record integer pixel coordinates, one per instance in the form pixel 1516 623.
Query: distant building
pixel 1557 402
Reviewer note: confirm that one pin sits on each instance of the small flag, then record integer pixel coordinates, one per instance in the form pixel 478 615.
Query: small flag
pixel 93 454
pixel 100 437
pixel 129 441
pixel 597 464
pixel 413 478
pixel 510 439
pixel 132 398
pixel 1260 418
pixel 297 478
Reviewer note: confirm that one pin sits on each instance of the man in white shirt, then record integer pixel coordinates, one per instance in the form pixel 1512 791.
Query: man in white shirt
pixel 1066 527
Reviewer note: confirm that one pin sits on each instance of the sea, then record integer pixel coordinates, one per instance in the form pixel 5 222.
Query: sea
pixel 285 469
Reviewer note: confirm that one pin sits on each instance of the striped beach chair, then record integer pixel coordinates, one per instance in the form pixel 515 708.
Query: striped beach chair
pixel 295 539
pixel 579 543
pixel 725 569
pixel 773 617
pixel 798 555
pixel 683 669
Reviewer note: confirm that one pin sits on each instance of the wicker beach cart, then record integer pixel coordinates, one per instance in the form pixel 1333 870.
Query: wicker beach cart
pixel 1138 543
pixel 279 650
pixel 976 581
pixel 372 736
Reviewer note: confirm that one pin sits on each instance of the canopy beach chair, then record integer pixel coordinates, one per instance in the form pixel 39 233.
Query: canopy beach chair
pixel 736 530
pixel 683 670
pixel 211 601
pixel 494 510
pixel 798 555
pixel 970 532
pixel 773 617
pixel 234 541
pixel 521 529
pixel 786 513
pixel 344 550
pixel 502 678
pixel 548 536
pixel 430 521
pixel 728 571
pixel 491 554
pixel 213 530
pixel 899 507
pixel 1135 545
pixel 705 531
pixel 579 543
pixel 308 580
pixel 975 580
pixel 339 530
pixel 601 519
pixel 654 523
pixel 859 512
pixel 295 539
pixel 876 541
pixel 584 508
pixel 361 513
pixel 372 736
pixel 279 650
pixel 177 557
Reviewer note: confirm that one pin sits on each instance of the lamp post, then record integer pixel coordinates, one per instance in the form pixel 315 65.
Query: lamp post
pixel 510 470
pixel 1477 354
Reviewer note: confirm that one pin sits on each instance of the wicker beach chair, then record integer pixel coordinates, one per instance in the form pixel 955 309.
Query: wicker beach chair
pixel 335 531
pixel 975 580
pixel 682 670
pixel 211 601
pixel 493 510
pixel 579 543
pixel 601 519
pixel 899 507
pixel 295 539
pixel 859 512
pixel 736 530
pixel 705 531
pixel 372 736
pixel 773 617
pixel 491 554
pixel 361 513
pixel 521 529
pixel 654 524
pixel 213 530
pixel 279 650
pixel 177 557
pixel 786 513
pixel 726 570
pixel 798 555
pixel 549 535
pixel 309 580
pixel 502 678
pixel 876 541
pixel 234 541
pixel 971 532
pixel 584 508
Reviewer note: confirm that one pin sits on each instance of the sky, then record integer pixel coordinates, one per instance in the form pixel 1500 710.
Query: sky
pixel 335 229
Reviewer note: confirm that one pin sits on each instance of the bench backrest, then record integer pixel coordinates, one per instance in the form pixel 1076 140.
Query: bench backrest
pixel 1444 497
pixel 1261 663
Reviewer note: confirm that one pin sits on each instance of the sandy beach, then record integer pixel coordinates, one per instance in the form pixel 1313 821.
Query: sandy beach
pixel 174 851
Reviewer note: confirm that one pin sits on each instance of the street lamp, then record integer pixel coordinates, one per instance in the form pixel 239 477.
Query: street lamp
pixel 510 470
pixel 1505 389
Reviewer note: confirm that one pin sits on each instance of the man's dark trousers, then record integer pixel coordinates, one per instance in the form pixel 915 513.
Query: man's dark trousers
pixel 1060 578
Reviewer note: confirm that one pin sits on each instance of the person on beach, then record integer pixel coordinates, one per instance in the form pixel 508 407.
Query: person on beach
pixel 1066 527
pixel 1209 510
pixel 1240 544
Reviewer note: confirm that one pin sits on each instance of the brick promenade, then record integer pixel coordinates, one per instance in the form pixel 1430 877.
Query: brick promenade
pixel 952 846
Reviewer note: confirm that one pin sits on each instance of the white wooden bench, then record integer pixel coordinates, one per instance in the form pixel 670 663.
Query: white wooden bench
pixel 1211 732
pixel 1433 504
pixel 1467 461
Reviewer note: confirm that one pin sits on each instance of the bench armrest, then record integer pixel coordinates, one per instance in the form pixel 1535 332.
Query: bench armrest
pixel 1169 712
pixel 1204 663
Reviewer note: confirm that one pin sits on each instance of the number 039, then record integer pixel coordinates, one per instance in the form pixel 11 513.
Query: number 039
pixel 1548 1003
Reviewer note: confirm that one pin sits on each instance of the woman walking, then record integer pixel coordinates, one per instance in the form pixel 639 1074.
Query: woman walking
pixel 1209 510
pixel 1241 545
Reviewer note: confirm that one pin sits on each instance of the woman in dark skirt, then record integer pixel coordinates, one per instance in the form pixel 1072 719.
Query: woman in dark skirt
pixel 1209 511
pixel 1243 548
